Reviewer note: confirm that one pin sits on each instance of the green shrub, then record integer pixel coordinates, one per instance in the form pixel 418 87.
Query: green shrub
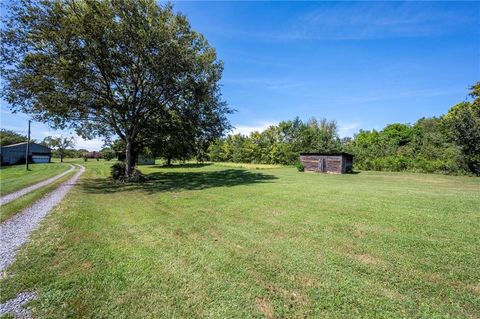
pixel 108 154
pixel 300 167
pixel 118 174
pixel 118 170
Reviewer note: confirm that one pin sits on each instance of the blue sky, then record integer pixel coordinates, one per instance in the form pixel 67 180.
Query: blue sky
pixel 363 64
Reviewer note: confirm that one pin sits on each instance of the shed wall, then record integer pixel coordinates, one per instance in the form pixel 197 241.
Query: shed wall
pixel 323 163
pixel 145 160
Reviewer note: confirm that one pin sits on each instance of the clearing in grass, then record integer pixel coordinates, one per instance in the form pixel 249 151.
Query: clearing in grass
pixel 222 242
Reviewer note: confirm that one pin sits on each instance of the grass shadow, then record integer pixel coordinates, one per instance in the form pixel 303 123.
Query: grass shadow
pixel 185 165
pixel 177 181
pixel 353 172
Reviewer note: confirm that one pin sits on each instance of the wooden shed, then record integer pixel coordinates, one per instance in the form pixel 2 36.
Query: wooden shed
pixel 334 163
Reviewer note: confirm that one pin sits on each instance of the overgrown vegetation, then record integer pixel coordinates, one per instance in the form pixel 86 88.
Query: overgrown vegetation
pixel 421 147
pixel 449 144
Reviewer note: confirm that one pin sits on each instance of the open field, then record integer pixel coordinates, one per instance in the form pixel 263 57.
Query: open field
pixel 221 242
pixel 247 165
pixel 15 177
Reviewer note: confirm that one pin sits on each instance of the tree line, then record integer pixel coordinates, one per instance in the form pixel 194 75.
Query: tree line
pixel 447 144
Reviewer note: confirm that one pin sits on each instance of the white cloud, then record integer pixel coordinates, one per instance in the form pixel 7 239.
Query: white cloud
pixel 344 128
pixel 268 83
pixel 347 129
pixel 91 145
pixel 377 20
pixel 247 129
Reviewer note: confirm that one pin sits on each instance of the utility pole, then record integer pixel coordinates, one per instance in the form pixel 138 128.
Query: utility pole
pixel 28 146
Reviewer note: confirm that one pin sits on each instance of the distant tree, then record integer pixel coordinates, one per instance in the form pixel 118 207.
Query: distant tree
pixel 70 153
pixel 463 126
pixel 319 136
pixel 430 141
pixel 109 68
pixel 60 144
pixel 8 137
pixel 397 134
pixel 108 154
pixel 80 152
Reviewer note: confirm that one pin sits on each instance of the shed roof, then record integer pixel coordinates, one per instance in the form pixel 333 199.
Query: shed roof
pixel 330 154
pixel 35 146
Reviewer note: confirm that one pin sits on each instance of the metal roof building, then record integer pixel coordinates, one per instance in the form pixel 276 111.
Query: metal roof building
pixel 15 153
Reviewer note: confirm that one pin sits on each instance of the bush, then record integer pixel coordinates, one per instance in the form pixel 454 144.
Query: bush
pixel 118 170
pixel 118 174
pixel 300 167
pixel 108 155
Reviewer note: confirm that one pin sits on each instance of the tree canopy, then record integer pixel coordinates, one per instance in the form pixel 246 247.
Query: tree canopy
pixel 111 68
pixel 8 137
pixel 463 126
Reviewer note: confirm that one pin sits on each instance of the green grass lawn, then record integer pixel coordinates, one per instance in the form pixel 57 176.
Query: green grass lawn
pixel 222 242
pixel 15 177
pixel 14 207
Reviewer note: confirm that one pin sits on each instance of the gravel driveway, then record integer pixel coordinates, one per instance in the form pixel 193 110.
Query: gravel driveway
pixel 16 231
pixel 12 196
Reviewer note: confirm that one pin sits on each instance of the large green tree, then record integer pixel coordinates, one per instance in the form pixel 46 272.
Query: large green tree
pixel 106 68
pixel 463 124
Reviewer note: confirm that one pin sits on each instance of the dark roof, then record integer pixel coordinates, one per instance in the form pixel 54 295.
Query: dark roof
pixel 16 144
pixel 330 154
pixel 32 146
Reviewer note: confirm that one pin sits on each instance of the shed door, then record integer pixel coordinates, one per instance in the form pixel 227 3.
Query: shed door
pixel 322 165
pixel 40 158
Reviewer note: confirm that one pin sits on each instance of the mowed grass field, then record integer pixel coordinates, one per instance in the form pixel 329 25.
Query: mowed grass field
pixel 226 242
pixel 7 211
pixel 16 177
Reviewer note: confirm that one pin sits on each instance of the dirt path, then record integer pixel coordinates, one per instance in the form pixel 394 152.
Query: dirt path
pixel 12 196
pixel 16 231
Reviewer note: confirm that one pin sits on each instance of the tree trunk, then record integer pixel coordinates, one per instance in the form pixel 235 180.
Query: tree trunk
pixel 129 160
pixel 61 158
pixel 169 161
